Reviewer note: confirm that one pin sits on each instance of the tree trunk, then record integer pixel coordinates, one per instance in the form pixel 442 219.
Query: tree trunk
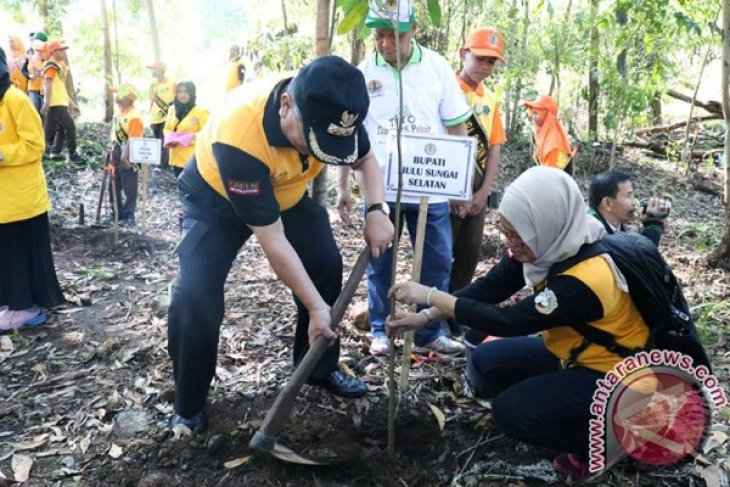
pixel 116 43
pixel 321 48
pixel 721 255
pixel 508 91
pixel 108 76
pixel 283 14
pixel 153 29
pixel 514 126
pixel 593 88
pixel 656 109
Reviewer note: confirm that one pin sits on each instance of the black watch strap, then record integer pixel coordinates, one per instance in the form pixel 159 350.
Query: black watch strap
pixel 377 207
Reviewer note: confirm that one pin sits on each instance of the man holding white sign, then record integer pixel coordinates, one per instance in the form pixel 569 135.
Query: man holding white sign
pixel 432 104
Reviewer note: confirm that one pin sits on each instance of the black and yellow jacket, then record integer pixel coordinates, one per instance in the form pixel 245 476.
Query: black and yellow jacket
pixel 585 293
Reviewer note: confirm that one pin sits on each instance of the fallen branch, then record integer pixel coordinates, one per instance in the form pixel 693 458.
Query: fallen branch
pixel 668 128
pixel 711 106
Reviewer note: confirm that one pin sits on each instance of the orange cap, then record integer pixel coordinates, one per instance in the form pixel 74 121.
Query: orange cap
pixel 54 46
pixel 545 102
pixel 485 42
pixel 158 65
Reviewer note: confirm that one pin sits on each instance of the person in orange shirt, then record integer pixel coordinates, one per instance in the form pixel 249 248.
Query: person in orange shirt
pixel 127 125
pixel 482 50
pixel 16 59
pixel 552 147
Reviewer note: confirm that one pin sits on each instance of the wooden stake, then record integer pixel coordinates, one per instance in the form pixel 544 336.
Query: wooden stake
pixel 405 366
pixel 115 208
pixel 145 176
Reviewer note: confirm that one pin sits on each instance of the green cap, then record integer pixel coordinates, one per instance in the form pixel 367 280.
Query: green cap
pixel 40 36
pixel 385 14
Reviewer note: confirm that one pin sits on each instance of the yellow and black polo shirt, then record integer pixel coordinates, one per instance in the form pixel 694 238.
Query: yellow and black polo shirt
pixel 585 293
pixel 244 157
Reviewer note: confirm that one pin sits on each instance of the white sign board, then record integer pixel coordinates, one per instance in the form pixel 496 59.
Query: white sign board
pixel 145 151
pixel 433 165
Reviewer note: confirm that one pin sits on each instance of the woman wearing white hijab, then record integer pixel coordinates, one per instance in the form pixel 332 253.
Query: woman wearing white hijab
pixel 542 384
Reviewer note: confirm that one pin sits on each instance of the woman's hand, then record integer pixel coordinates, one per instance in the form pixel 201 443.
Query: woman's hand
pixel 405 322
pixel 409 292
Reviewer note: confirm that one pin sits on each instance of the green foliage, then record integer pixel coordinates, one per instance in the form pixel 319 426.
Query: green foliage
pixel 708 317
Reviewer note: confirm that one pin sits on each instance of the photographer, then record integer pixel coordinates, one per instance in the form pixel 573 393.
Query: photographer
pixel 612 202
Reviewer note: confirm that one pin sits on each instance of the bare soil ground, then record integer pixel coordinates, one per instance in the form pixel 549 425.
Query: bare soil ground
pixel 81 397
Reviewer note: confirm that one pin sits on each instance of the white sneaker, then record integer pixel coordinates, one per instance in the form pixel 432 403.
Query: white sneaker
pixel 379 346
pixel 443 344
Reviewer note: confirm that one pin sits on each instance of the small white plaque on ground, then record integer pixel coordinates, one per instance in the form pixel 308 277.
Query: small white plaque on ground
pixel 145 151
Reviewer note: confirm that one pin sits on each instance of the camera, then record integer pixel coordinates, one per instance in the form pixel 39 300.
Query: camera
pixel 664 209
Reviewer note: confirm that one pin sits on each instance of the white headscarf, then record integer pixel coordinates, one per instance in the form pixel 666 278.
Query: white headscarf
pixel 546 208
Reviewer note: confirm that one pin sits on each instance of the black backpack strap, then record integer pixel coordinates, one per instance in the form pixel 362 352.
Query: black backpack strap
pixel 590 333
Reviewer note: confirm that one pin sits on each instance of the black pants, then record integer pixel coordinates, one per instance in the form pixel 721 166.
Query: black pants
pixel 534 399
pixel 206 253
pixel 157 131
pixel 126 185
pixel 60 117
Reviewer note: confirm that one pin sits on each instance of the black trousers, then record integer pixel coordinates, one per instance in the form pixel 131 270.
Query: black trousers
pixel 206 253
pixel 126 185
pixel 158 132
pixel 534 399
pixel 59 117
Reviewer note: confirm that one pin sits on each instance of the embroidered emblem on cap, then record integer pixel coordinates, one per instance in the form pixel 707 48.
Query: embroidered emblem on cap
pixel 328 159
pixel 346 127
pixel 546 302
pixel 493 39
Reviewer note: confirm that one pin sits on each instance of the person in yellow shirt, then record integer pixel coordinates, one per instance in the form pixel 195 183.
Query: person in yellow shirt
pixel 482 50
pixel 27 274
pixel 16 60
pixel 127 125
pixel 34 68
pixel 542 385
pixel 253 162
pixel 552 147
pixel 236 68
pixel 184 120
pixel 57 102
pixel 161 94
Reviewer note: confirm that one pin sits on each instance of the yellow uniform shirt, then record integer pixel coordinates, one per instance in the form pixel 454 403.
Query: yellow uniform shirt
pixel 126 125
pixel 162 94
pixel 620 318
pixel 240 124
pixel 35 68
pixel 23 193
pixel 57 72
pixel 236 71
pixel 193 122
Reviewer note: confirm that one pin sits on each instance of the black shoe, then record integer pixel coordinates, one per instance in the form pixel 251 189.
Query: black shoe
pixel 341 384
pixel 75 158
pixel 196 423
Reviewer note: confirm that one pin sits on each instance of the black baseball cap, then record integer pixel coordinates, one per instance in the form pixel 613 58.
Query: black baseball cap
pixel 333 101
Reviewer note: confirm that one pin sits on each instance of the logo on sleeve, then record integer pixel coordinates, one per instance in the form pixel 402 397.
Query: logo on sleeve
pixel 244 188
pixel 546 302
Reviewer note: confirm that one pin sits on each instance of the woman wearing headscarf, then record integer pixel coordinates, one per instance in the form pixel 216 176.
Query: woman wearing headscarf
pixel 552 147
pixel 27 274
pixel 16 60
pixel 542 385
pixel 184 121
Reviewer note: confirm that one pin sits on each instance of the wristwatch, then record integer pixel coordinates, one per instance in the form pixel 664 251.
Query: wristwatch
pixel 378 207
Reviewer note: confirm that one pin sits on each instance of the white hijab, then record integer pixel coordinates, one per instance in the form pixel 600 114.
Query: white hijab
pixel 546 208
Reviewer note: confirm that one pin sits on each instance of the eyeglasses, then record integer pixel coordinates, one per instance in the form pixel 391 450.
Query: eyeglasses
pixel 512 238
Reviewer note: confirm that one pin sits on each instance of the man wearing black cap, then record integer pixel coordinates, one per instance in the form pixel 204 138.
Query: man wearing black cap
pixel 253 162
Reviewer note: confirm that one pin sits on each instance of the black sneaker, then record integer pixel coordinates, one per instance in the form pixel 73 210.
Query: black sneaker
pixel 75 158
pixel 196 424
pixel 341 384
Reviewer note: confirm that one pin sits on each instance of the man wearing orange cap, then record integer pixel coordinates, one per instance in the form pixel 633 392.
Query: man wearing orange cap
pixel 57 102
pixel 127 125
pixel 482 50
pixel 162 94
pixel 552 147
